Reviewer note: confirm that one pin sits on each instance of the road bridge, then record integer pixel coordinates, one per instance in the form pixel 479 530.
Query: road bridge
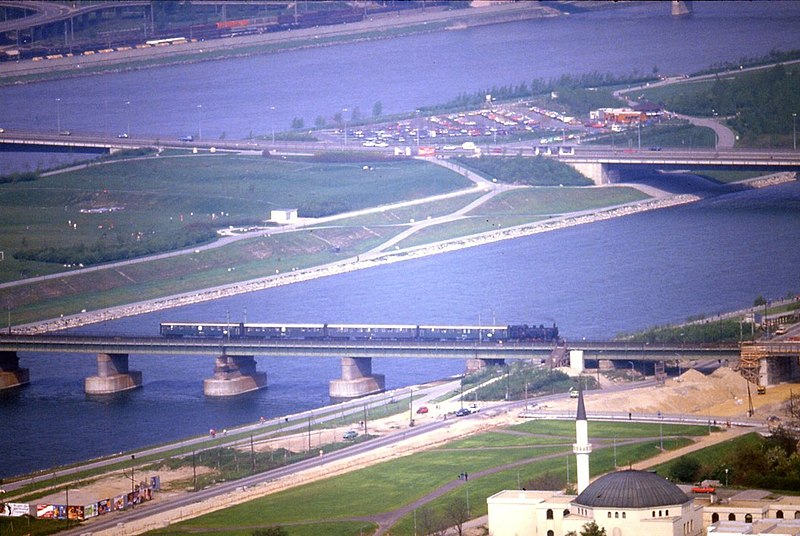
pixel 235 367
pixel 598 163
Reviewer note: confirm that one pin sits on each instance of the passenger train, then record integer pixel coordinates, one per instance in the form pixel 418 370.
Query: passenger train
pixel 356 332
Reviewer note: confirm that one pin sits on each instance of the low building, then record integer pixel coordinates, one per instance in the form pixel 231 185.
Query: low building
pixel 283 215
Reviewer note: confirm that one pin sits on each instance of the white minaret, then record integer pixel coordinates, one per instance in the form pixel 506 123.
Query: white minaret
pixel 582 447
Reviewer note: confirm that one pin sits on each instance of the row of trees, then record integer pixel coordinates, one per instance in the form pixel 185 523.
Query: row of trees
pixel 759 106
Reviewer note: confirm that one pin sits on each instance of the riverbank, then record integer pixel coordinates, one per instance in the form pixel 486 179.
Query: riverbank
pixel 377 258
pixel 379 26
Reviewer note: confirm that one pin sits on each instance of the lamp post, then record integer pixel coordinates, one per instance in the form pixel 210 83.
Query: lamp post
pixel 133 482
pixel 417 128
pixel 794 131
pixel 58 114
pixel 411 406
pixel 632 369
pixel 199 122
pixel 128 117
pixel 726 477
pixel 272 123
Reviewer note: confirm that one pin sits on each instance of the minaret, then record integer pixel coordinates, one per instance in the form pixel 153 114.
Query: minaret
pixel 582 447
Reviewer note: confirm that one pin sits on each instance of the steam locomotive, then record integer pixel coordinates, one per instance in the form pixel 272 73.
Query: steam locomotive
pixel 355 332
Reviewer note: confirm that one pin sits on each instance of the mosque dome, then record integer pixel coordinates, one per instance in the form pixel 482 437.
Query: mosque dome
pixel 631 489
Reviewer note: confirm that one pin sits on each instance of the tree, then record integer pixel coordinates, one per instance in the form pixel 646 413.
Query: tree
pixel 430 522
pixel 592 529
pixel 456 513
pixel 319 122
pixel 377 109
pixel 297 123
pixel 685 469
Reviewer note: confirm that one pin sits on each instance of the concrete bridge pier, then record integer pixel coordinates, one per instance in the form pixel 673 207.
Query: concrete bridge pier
pixel 10 373
pixel 113 376
pixel 474 365
pixel 597 172
pixel 234 375
pixel 357 379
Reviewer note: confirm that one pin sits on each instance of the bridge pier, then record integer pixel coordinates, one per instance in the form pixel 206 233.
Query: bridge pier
pixel 357 379
pixel 474 365
pixel 234 375
pixel 10 374
pixel 576 361
pixel 113 376
pixel 597 172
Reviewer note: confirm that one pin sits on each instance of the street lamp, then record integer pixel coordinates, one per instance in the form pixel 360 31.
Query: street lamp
pixel 417 128
pixel 794 131
pixel 632 369
pixel 58 114
pixel 199 122
pixel 272 121
pixel 128 116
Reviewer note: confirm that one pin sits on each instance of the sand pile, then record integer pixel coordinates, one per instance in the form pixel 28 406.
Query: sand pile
pixel 720 394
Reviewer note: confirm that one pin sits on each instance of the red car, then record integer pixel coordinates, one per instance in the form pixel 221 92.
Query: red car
pixel 422 409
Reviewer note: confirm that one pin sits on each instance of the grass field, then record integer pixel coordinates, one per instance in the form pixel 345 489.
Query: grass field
pixel 494 461
pixel 116 203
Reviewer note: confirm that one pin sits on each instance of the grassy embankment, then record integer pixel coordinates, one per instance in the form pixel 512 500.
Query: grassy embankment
pixel 156 194
pixel 494 461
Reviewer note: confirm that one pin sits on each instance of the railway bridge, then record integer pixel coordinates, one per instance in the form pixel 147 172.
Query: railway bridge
pixel 235 369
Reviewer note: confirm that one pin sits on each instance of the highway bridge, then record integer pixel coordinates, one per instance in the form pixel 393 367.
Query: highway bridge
pixel 235 367
pixel 599 163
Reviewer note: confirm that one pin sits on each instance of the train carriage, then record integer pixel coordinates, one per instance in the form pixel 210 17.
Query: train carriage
pixel 204 329
pixel 463 333
pixel 356 332
pixel 284 331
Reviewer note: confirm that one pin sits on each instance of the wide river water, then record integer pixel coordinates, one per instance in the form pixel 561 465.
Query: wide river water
pixel 593 280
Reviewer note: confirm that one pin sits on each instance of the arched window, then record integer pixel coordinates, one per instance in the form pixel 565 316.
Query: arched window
pixel 654 513
pixel 660 512
pixel 667 513
pixel 714 517
pixel 797 515
pixel 779 514
pixel 609 515
pixel 616 515
pixel 566 513
pixel 748 518
pixel 551 533
pixel 731 517
pixel 549 513
pixel 623 515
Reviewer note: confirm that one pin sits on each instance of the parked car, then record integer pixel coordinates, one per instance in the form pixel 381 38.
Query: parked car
pixel 463 412
pixel 422 409
pixel 65 133
pixel 350 434
pixel 123 135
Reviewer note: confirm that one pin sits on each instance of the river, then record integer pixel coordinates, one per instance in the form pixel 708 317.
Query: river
pixel 593 280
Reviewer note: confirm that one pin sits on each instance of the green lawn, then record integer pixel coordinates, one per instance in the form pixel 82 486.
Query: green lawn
pixel 138 200
pixel 390 485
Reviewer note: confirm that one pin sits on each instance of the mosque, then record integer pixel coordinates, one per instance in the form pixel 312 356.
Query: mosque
pixel 624 503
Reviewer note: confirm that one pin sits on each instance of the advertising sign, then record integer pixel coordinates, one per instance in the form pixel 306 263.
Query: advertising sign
pixel 16 510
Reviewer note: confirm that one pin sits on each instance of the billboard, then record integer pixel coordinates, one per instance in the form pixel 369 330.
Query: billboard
pixel 15 510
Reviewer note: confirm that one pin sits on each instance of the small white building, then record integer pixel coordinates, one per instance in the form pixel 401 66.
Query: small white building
pixel 284 215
